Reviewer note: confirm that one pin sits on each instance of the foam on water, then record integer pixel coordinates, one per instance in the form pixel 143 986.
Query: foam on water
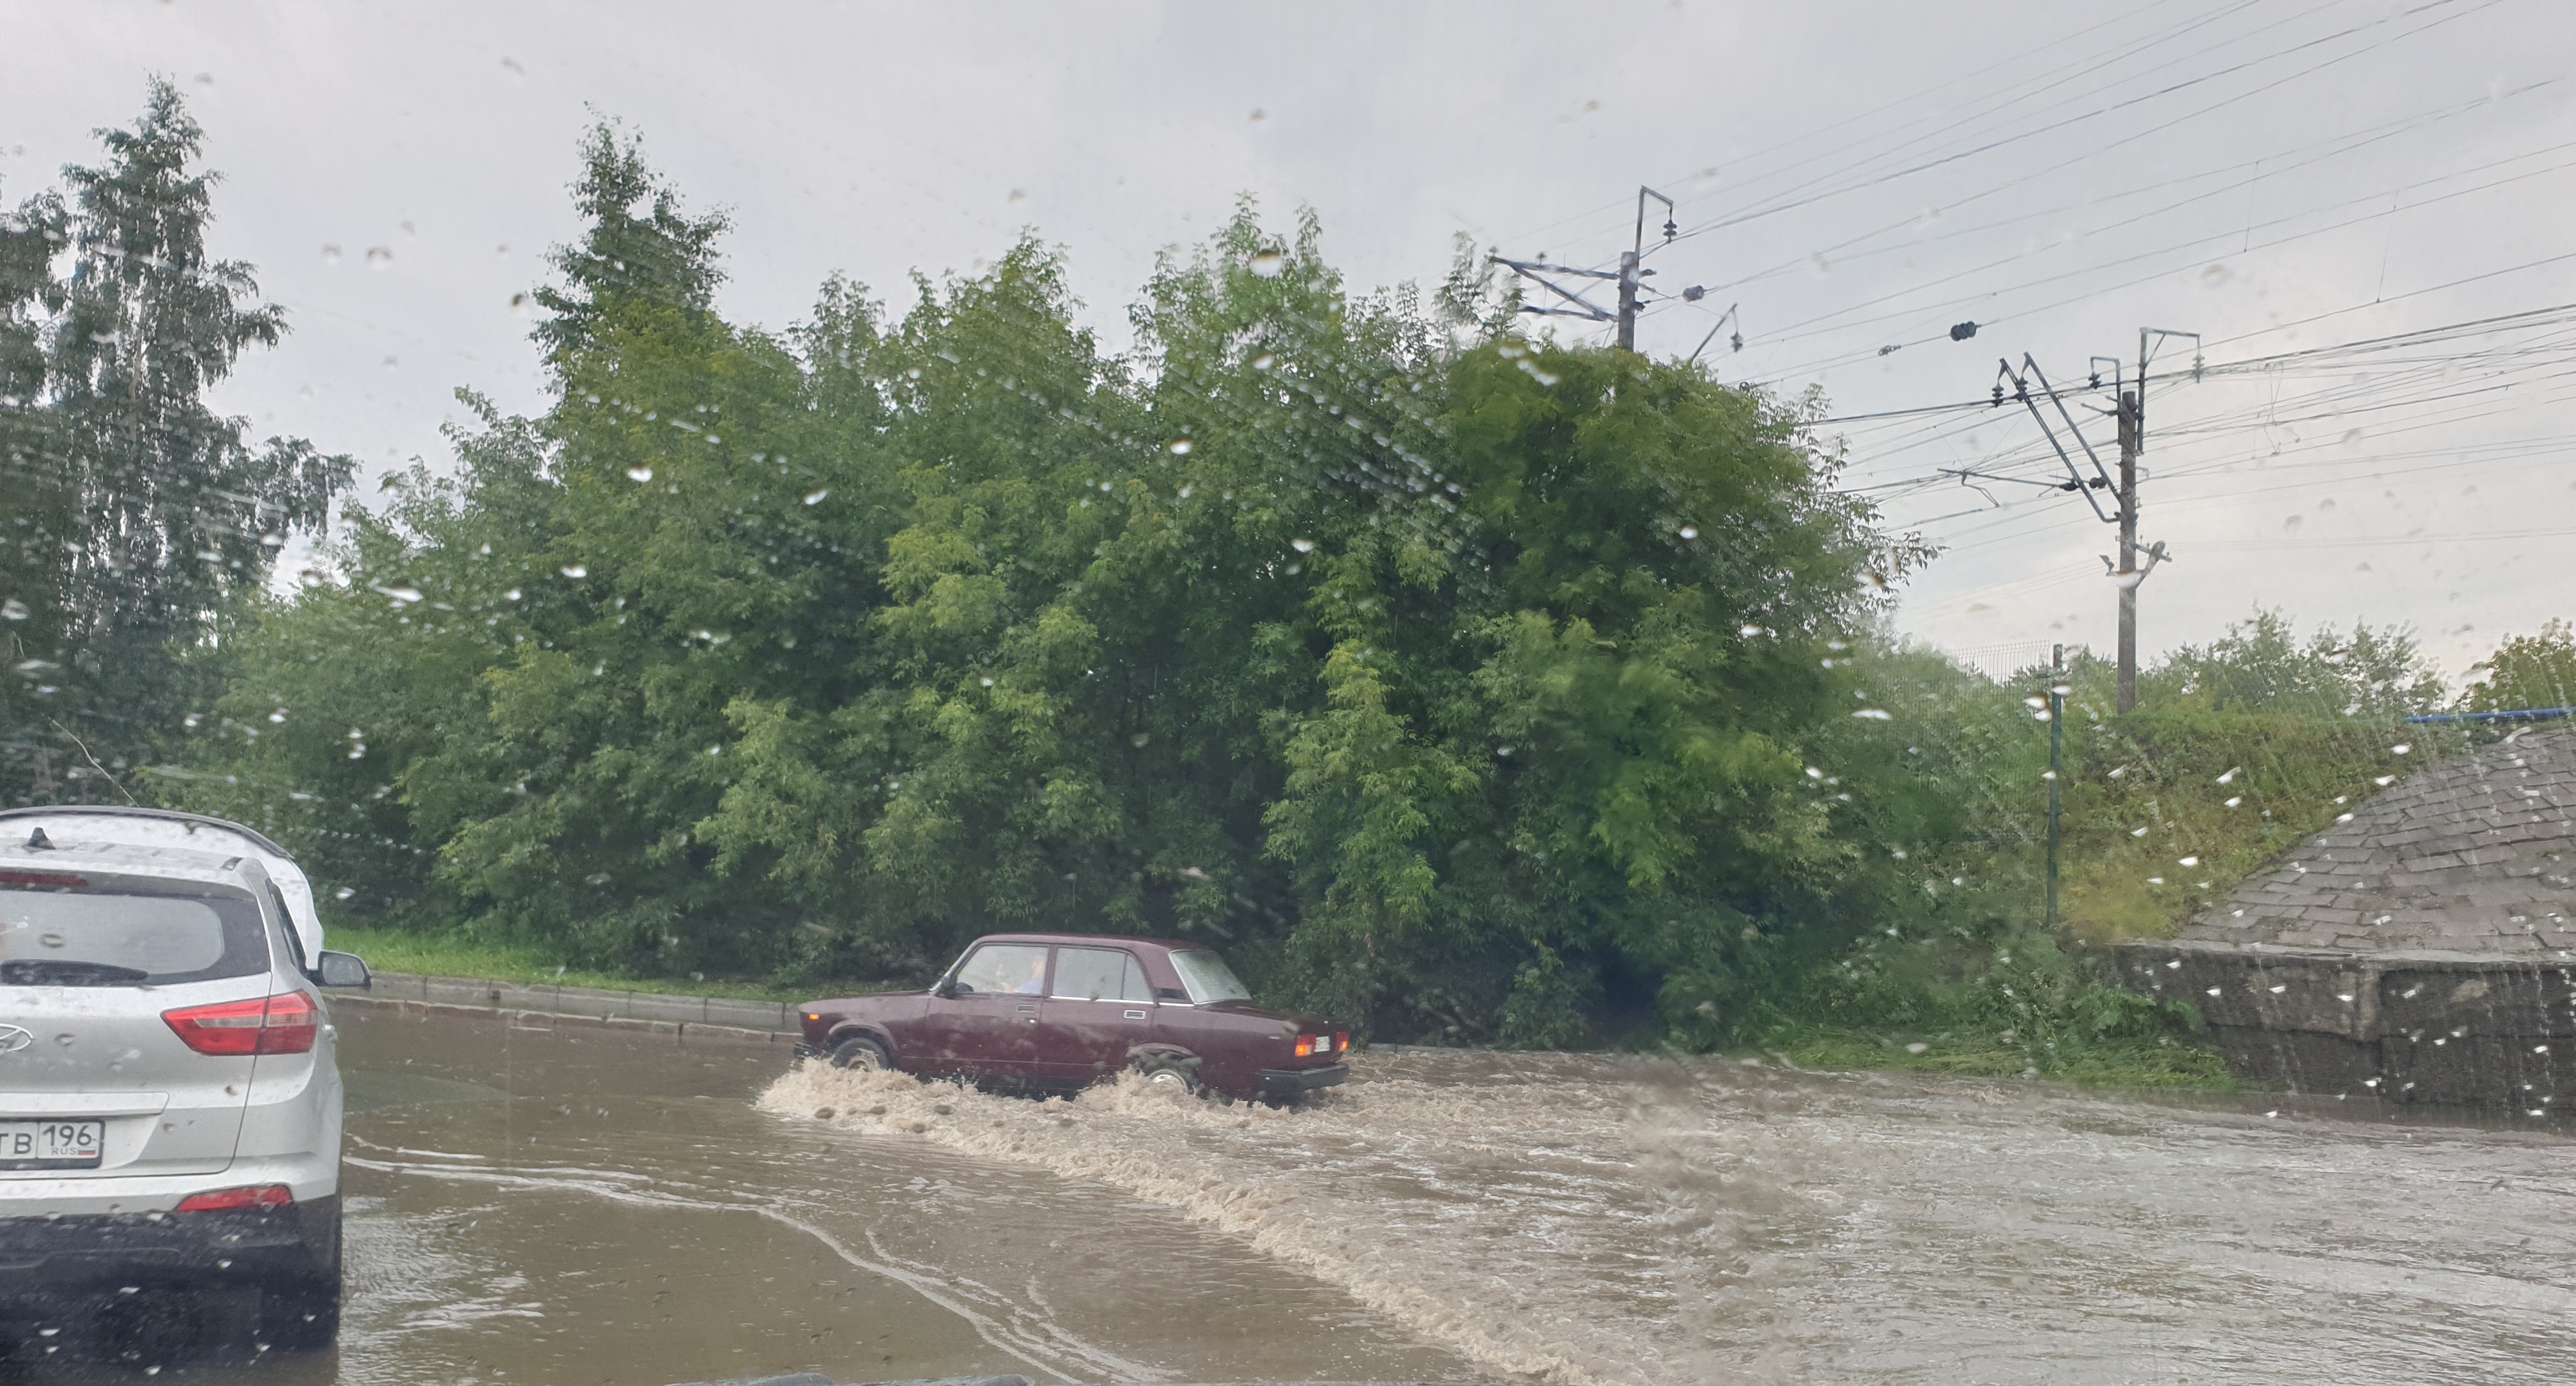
pixel 1568 1220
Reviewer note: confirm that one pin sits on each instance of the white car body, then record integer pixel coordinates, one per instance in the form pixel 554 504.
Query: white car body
pixel 181 1126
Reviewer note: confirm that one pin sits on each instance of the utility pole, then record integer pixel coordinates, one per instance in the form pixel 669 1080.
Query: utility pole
pixel 2090 476
pixel 2056 764
pixel 2133 424
pixel 1630 277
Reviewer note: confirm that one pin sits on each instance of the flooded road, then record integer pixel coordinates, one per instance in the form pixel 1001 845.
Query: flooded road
pixel 603 1206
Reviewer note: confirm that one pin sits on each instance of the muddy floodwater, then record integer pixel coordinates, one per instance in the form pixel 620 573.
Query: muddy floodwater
pixel 600 1206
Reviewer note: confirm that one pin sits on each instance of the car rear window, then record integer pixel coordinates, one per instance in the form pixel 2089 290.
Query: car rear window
pixel 72 930
pixel 1207 977
pixel 1099 974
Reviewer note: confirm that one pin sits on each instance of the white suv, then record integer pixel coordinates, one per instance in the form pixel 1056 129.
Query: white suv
pixel 169 1101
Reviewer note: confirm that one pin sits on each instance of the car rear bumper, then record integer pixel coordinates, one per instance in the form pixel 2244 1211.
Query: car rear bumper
pixel 1282 1081
pixel 42 1256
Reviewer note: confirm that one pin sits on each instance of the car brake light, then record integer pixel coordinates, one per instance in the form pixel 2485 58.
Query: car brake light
pixel 248 1196
pixel 1305 1045
pixel 282 1024
pixel 1341 1039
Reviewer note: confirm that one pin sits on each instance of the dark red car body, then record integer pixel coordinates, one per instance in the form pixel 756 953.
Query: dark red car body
pixel 1061 1042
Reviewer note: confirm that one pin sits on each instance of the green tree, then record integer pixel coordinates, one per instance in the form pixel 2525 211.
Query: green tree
pixel 176 518
pixel 2260 665
pixel 2526 671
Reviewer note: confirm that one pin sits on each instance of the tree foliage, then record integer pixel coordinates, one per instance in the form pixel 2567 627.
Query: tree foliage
pixel 141 517
pixel 1452 686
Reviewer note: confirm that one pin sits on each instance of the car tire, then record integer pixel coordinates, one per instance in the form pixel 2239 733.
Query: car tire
pixel 860 1052
pixel 1166 1072
pixel 302 1313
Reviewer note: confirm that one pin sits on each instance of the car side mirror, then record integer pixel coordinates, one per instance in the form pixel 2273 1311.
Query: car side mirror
pixel 946 990
pixel 343 970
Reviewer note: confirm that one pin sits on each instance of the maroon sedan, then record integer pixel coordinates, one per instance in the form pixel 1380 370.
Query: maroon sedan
pixel 1060 1011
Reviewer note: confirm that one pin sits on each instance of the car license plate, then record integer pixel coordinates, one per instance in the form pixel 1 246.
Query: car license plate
pixel 51 1144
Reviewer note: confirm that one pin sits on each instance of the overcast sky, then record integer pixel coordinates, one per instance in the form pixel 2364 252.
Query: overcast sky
pixel 2279 176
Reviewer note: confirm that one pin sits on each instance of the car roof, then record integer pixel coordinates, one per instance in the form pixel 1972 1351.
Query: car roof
pixel 1168 945
pixel 252 835
pixel 132 859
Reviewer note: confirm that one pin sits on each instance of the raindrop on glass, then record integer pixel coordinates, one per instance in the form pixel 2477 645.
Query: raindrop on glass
pixel 1269 264
pixel 816 497
pixel 1874 714
pixel 1180 447
pixel 639 474
pixel 575 570
pixel 1302 545
pixel 1690 531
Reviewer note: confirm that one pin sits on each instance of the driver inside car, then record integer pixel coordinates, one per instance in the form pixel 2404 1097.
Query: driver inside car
pixel 1037 974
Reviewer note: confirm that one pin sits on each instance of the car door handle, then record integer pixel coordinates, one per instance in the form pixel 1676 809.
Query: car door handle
pixel 1135 1015
pixel 1028 1010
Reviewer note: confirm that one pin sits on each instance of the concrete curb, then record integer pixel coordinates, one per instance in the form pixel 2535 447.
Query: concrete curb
pixel 525 1007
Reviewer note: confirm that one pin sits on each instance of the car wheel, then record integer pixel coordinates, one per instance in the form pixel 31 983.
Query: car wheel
pixel 860 1052
pixel 302 1313
pixel 1174 1074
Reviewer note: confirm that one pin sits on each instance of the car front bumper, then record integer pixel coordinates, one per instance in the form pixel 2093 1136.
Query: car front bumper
pixel 1276 1082
pixel 48 1255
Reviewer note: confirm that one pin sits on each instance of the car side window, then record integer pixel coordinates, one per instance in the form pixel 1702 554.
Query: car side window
pixel 1099 974
pixel 1004 968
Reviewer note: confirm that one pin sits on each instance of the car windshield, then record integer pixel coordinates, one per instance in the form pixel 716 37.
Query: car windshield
pixel 1207 977
pixel 127 933
pixel 1858 691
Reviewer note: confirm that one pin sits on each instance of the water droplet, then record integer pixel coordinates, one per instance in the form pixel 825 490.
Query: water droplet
pixel 1814 774
pixel 2137 832
pixel 2384 781
pixel 1917 1047
pixel 2235 801
pixel 1180 447
pixel 2230 776
pixel 1874 714
pixel 2189 861
pixel 510 596
pixel 1748 632
pixel 13 609
pixel 1690 531
pixel 344 893
pixel 1302 545
pixel 986 682
pixel 1269 264
pixel 2343 818
pixel 1264 361
pixel 277 716
pixel 2115 774
pixel 1504 751
pixel 379 257
pixel 50 940
pixel 519 305
pixel 639 474
pixel 575 570
pixel 1140 739
pixel 2401 748
pixel 816 497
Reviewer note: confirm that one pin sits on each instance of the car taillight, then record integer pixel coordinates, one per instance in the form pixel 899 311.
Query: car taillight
pixel 1341 1039
pixel 282 1024
pixel 1305 1045
pixel 248 1196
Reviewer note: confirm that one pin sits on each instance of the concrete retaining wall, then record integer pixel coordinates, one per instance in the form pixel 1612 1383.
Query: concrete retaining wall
pixel 525 1006
pixel 2486 1030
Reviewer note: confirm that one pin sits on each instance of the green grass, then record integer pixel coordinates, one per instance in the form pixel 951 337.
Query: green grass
pixel 445 955
pixel 2106 1064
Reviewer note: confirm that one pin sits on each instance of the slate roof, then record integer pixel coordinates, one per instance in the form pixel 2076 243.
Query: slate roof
pixel 2472 855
